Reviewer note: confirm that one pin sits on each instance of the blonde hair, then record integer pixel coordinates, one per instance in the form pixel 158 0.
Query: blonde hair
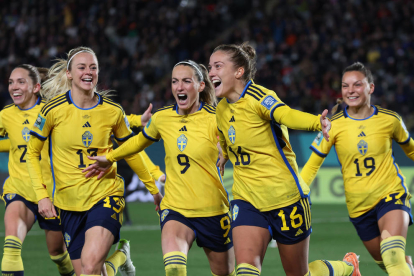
pixel 335 108
pixel 57 81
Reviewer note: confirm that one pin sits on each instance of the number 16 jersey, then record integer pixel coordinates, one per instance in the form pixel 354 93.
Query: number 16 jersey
pixel 364 150
pixel 193 186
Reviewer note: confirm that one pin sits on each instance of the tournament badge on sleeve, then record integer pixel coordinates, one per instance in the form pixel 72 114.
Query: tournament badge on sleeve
pixel 182 142
pixel 87 139
pixel 26 134
pixel 362 147
pixel 232 134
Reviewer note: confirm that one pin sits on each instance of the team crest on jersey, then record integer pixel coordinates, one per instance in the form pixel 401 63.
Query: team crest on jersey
pixel 362 147
pixel 318 139
pixel 26 134
pixel 182 142
pixel 268 102
pixel 235 211
pixel 67 239
pixel 87 138
pixel 40 122
pixel 164 215
pixel 232 134
pixel 10 196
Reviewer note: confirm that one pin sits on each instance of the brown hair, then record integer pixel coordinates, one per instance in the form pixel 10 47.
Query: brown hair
pixel 33 72
pixel 335 108
pixel 242 55
pixel 359 67
pixel 43 73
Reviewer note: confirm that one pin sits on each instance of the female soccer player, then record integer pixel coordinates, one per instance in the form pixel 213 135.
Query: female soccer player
pixel 80 122
pixel 21 203
pixel 195 206
pixel 270 198
pixel 376 193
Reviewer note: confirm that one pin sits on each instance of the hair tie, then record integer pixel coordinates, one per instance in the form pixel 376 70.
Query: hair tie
pixel 194 65
pixel 83 51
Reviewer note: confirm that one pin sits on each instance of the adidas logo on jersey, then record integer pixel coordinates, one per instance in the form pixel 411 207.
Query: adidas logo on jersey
pixel 362 134
pixel 399 202
pixel 183 128
pixel 299 232
pixel 87 124
pixel 232 119
pixel 26 122
pixel 227 241
pixel 114 216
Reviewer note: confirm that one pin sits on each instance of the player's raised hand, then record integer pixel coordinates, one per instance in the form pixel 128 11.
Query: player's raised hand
pixel 326 125
pixel 146 116
pixel 157 201
pixel 46 208
pixel 100 167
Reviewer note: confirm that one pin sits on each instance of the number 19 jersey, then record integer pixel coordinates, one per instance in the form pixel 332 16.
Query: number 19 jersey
pixel 193 186
pixel 364 151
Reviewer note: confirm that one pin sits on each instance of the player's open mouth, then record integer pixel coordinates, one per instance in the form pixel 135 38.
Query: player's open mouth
pixel 87 80
pixel 17 95
pixel 216 83
pixel 182 97
pixel 352 98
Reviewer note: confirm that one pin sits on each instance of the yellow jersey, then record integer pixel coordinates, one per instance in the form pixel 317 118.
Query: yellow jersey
pixel 193 187
pixel 364 151
pixel 16 124
pixel 254 136
pixel 75 133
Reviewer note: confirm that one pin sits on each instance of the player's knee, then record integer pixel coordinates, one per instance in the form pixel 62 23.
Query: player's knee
pixel 248 269
pixel 393 256
pixel 91 269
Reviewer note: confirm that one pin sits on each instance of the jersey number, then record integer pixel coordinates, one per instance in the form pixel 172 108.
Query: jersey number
pixel 91 152
pixel 183 160
pixel 244 156
pixel 369 163
pixel 293 217
pixel 22 157
pixel 225 225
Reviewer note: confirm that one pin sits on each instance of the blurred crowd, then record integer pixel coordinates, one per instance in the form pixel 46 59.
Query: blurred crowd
pixel 302 46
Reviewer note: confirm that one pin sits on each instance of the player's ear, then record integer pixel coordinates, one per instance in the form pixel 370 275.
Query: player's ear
pixel 239 73
pixel 371 88
pixel 69 75
pixel 201 86
pixel 36 88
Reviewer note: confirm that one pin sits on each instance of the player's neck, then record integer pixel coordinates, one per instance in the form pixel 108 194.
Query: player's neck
pixel 29 104
pixel 191 110
pixel 360 112
pixel 83 99
pixel 234 94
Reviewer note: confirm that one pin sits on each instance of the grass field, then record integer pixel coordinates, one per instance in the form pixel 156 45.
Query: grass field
pixel 333 235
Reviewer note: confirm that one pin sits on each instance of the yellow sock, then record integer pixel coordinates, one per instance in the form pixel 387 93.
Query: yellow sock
pixel 331 268
pixel 243 269
pixel 175 264
pixel 12 263
pixel 63 264
pixel 114 261
pixel 381 265
pixel 231 274
pixel 393 256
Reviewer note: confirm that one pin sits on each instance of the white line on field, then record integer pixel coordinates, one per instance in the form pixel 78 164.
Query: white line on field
pixel 157 227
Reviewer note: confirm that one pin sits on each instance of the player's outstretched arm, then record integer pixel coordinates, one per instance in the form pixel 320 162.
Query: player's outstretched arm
pixel 311 168
pixel 408 148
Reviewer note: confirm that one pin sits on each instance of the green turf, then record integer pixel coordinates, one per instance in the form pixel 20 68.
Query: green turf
pixel 332 237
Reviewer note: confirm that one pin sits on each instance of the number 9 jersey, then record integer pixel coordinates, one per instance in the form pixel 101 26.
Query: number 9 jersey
pixel 193 186
pixel 16 123
pixel 364 151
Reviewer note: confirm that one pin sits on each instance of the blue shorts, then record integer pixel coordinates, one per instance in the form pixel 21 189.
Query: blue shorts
pixel 287 225
pixel 367 224
pixel 106 213
pixel 52 224
pixel 213 233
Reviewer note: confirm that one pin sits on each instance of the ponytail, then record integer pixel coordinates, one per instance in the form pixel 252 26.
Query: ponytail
pixel 208 95
pixel 335 108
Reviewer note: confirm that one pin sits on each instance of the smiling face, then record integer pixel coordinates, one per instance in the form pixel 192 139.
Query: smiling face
pixel 186 88
pixel 356 91
pixel 22 89
pixel 83 72
pixel 223 74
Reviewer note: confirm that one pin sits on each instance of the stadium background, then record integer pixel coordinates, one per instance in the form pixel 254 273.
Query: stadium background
pixel 302 47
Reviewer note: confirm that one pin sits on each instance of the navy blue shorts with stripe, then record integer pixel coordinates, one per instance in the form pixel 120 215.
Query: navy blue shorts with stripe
pixel 213 233
pixel 287 225
pixel 52 224
pixel 107 213
pixel 367 224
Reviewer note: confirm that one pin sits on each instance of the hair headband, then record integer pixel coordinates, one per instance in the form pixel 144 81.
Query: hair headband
pixel 83 51
pixel 194 65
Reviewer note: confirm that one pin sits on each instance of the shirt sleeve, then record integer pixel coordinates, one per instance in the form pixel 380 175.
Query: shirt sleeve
pixel 3 131
pixel 150 131
pixel 121 129
pixel 401 134
pixel 134 120
pixel 4 145
pixel 311 168
pixel 322 147
pixel 272 108
pixel 154 169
